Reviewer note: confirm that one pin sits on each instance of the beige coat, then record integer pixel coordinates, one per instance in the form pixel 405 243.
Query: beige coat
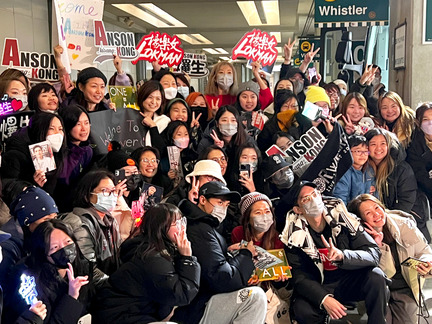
pixel 410 242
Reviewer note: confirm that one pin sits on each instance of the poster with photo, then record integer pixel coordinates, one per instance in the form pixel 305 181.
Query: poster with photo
pixel 42 156
pixel 150 195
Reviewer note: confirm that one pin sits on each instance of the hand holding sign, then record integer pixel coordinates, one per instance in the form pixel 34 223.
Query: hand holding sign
pixel 39 309
pixel 334 254
pixel 117 64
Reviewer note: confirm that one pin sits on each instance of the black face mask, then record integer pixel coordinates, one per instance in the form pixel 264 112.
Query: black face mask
pixel 200 110
pixel 132 182
pixel 66 255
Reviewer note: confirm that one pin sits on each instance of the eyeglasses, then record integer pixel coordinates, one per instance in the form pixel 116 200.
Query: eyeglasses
pixel 308 198
pixel 360 153
pixel 152 161
pixel 107 192
pixel 180 223
pixel 220 160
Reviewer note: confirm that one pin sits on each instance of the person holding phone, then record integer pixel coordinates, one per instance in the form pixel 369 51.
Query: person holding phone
pixel 398 238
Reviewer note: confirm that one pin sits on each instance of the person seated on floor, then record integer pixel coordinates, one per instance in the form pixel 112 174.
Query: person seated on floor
pixel 398 238
pixel 224 278
pixel 333 260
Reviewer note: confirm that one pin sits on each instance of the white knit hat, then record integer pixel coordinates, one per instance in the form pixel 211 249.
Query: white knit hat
pixel 208 168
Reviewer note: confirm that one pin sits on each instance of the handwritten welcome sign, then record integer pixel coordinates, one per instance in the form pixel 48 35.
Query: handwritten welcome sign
pixel 257 46
pixel 162 48
pixel 76 20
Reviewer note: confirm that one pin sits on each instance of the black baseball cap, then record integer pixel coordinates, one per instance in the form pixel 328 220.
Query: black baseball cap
pixel 217 189
pixel 299 187
pixel 273 164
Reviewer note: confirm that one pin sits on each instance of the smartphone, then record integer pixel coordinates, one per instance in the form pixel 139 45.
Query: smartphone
pixel 413 263
pixel 313 112
pixel 119 176
pixel 311 74
pixel 245 170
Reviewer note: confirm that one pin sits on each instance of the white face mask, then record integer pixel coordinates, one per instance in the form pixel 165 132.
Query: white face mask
pixel 253 165
pixel 314 207
pixel 105 204
pixel 343 92
pixel 181 142
pixel 184 91
pixel 426 127
pixel 228 129
pixel 225 81
pixel 23 99
pixel 262 223
pixel 56 141
pixel 219 212
pixel 170 93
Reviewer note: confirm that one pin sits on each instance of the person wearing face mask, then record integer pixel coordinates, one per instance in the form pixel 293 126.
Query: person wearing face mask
pixel 333 259
pixel 334 94
pixel 199 105
pixel 17 162
pixel 222 276
pixel 169 84
pixel 63 278
pixel 119 161
pixel 183 84
pixel 95 199
pixel 419 153
pixel 343 88
pixel 300 83
pixel 15 89
pixel 286 108
pixel 278 176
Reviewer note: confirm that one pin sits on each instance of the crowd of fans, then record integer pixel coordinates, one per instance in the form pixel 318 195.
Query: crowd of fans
pixel 189 256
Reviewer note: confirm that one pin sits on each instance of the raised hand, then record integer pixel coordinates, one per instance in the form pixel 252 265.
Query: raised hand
pixel 368 75
pixel 117 63
pixel 334 254
pixel 349 126
pixel 39 308
pixel 214 106
pixel 147 121
pixel 40 178
pixel 256 66
pixel 58 51
pixel 310 55
pixel 216 139
pixel 377 236
pixel 75 284
pixel 156 66
pixel 247 181
pixel 193 193
pixel 183 244
pixel 288 49
pixel 121 187
pixel 334 308
pixel 195 122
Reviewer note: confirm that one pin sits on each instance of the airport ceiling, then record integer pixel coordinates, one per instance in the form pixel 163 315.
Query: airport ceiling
pixel 220 22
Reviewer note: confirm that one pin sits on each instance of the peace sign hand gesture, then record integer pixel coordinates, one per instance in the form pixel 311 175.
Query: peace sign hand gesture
pixel 216 139
pixel 195 122
pixel 75 284
pixel 288 49
pixel 377 236
pixel 368 75
pixel 310 55
pixel 193 193
pixel 214 106
pixel 334 254
pixel 349 126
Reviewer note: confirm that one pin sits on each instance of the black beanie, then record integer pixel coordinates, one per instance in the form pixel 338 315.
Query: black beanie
pixel 116 158
pixel 88 73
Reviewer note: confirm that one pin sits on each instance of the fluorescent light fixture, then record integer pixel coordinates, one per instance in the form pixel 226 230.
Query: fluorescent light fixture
pixel 269 12
pixel 277 35
pixel 151 14
pixel 221 51
pixel 216 51
pixel 194 39
pixel 225 58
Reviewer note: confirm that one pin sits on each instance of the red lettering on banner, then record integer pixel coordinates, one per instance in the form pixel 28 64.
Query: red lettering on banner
pixel 10 52
pixel 161 48
pixel 34 73
pixel 257 46
pixel 100 35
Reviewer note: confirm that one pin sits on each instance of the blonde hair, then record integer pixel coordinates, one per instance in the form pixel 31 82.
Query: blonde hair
pixel 212 88
pixel 404 125
pixel 386 166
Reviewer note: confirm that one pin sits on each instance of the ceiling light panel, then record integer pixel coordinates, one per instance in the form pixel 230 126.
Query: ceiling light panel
pixel 194 39
pixel 250 12
pixel 211 51
pixel 277 35
pixel 151 14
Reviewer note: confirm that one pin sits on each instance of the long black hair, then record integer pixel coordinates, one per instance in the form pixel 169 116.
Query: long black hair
pixel 71 115
pixel 155 226
pixel 35 92
pixel 240 137
pixel 47 278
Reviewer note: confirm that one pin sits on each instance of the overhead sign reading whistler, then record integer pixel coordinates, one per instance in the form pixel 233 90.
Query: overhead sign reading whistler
pixel 340 13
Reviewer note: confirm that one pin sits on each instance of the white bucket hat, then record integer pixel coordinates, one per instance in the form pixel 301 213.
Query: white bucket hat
pixel 206 167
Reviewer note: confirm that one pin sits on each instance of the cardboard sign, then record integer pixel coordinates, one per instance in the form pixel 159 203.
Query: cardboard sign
pixel 108 43
pixel 195 65
pixel 9 124
pixel 175 163
pixel 257 46
pixel 305 150
pixel 123 126
pixel 38 66
pixel 162 48
pixel 271 264
pixel 274 149
pixel 123 96
pixel 76 19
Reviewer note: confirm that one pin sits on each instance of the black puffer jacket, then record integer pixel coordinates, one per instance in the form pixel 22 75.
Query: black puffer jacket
pixel 144 291
pixel 220 272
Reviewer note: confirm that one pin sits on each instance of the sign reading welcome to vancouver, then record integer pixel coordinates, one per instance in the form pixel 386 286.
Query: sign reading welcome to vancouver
pixel 337 13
